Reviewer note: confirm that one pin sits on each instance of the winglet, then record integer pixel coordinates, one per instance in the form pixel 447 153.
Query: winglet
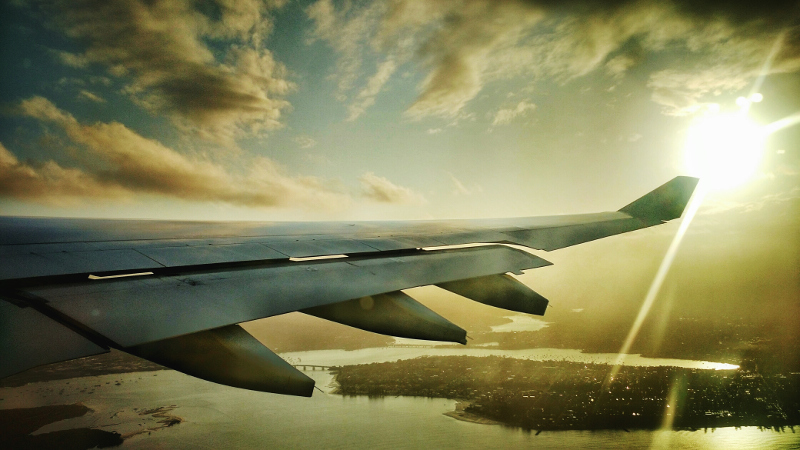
pixel 664 203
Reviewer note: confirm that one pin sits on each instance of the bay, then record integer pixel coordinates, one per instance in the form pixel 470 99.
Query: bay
pixel 218 416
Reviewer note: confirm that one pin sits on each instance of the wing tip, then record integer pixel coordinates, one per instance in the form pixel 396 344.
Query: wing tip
pixel 665 202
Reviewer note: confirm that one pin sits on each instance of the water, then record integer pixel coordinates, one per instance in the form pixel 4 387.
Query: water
pixel 223 417
pixel 385 354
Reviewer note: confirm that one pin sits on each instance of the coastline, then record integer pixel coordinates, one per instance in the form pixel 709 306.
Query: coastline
pixel 460 414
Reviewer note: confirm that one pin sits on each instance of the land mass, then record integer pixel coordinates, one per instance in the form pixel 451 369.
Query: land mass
pixel 16 426
pixel 114 361
pixel 559 395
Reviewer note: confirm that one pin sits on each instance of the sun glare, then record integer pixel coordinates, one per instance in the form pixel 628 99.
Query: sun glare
pixel 724 150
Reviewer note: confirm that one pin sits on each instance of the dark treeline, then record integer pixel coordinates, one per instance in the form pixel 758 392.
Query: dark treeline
pixel 550 395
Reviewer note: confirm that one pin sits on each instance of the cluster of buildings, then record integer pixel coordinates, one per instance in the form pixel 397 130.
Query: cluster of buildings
pixel 549 395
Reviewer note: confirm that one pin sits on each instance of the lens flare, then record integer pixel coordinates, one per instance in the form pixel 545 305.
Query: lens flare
pixel 658 280
pixel 724 150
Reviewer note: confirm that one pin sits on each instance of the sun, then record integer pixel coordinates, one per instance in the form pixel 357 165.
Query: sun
pixel 724 150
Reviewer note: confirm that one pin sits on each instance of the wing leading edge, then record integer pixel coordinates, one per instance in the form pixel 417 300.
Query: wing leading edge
pixel 173 292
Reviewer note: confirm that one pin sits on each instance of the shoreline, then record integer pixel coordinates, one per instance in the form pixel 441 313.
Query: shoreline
pixel 461 414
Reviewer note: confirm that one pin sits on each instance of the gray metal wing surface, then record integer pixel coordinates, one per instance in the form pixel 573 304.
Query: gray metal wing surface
pixel 162 289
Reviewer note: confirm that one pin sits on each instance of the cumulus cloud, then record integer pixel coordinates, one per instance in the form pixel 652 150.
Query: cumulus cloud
pixel 382 190
pixel 463 45
pixel 504 116
pixel 124 162
pixel 162 48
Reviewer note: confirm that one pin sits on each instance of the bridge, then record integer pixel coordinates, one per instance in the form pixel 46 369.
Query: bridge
pixel 311 367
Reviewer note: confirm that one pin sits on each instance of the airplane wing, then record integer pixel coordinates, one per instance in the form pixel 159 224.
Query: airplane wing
pixel 174 292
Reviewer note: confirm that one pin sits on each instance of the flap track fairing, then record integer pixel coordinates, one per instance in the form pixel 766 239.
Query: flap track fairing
pixel 227 355
pixel 392 313
pixel 501 291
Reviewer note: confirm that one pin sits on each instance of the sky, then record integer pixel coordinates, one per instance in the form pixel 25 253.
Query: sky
pixel 292 110
pixel 412 109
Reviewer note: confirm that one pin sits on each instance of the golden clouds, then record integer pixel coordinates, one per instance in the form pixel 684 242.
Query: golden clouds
pixel 462 45
pixel 162 49
pixel 122 162
pixel 382 190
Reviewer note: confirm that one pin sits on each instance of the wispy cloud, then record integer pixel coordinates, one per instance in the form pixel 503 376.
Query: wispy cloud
pixel 462 46
pixel 304 141
pixel 88 95
pixel 346 30
pixel 506 115
pixel 366 97
pixel 460 189
pixel 382 190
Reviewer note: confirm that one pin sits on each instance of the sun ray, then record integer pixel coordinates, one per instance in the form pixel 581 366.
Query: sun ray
pixel 658 280
pixel 754 138
pixel 786 122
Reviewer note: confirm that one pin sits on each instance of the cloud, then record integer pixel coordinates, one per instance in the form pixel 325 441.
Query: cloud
pixel 462 46
pixel 347 31
pixel 382 190
pixel 457 46
pixel 460 189
pixel 504 116
pixel 680 93
pixel 305 141
pixel 162 47
pixel 618 65
pixel 84 94
pixel 123 161
pixel 50 183
pixel 72 60
pixel 458 186
pixel 366 97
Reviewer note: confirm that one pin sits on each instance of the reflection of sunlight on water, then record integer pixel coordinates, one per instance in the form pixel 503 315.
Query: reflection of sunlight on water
pixel 670 411
pixel 406 342
pixel 391 354
pixel 520 323
pixel 218 415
